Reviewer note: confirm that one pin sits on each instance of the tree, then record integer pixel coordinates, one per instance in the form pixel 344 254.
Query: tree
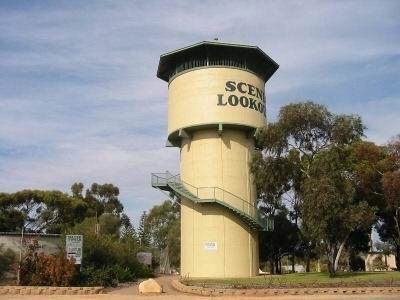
pixel 389 228
pixel 38 211
pixel 109 224
pixel 330 211
pixel 11 219
pixel 288 149
pixel 54 211
pixel 143 232
pixel 103 198
pixel 358 244
pixel 127 231
pixel 276 244
pixel 163 223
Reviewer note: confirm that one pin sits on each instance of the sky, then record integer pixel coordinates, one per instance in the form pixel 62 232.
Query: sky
pixel 80 100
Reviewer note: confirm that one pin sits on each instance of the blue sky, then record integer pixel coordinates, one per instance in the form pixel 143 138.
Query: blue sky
pixel 80 101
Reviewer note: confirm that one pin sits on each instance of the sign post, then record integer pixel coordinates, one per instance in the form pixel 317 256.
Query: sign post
pixel 73 247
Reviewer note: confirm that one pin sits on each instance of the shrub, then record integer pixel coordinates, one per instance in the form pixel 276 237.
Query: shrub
pixel 54 270
pixel 105 276
pixel 7 257
pixel 106 259
pixel 356 263
pixel 378 264
pixel 47 270
pixel 106 262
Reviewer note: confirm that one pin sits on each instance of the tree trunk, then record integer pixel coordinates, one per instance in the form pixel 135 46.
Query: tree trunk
pixel 271 266
pixel 338 255
pixel 331 268
pixel 397 257
pixel 308 263
pixel 331 262
pixel 293 263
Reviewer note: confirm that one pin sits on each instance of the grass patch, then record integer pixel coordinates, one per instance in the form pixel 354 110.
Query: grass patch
pixel 346 279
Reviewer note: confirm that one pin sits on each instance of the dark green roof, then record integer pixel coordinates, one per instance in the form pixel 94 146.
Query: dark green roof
pixel 214 53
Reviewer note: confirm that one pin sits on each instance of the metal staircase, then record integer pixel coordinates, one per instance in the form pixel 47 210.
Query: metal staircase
pixel 241 208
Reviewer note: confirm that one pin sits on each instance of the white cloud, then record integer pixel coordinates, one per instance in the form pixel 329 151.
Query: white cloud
pixel 79 100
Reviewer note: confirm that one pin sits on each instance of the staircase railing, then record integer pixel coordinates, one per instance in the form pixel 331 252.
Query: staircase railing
pixel 158 179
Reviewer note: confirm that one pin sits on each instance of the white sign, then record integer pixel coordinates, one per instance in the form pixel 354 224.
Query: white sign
pixel 210 246
pixel 144 257
pixel 73 246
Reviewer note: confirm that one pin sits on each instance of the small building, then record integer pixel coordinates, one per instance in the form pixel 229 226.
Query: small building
pixel 388 260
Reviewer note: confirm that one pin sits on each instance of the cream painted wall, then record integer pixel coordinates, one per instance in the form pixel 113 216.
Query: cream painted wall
pixel 193 98
pixel 211 159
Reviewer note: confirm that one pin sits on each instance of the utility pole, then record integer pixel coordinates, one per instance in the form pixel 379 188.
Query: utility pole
pixel 20 256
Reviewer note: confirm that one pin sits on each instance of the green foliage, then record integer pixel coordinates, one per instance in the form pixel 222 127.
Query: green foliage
pixel 144 232
pixel 303 164
pixel 330 210
pixel 128 233
pixel 7 257
pixel 160 229
pixel 107 259
pixel 389 214
pixel 378 263
pixel 276 244
pixel 105 276
pixel 385 248
pixel 54 211
pixel 11 217
pixel 356 263
pixel 109 224
pixel 103 198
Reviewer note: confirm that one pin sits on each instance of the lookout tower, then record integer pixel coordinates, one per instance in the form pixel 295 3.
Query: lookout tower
pixel 216 103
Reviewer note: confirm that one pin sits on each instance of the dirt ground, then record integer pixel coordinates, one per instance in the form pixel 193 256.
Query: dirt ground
pixel 131 292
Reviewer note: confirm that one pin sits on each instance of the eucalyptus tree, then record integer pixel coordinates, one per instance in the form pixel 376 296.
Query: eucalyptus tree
pixel 389 227
pixel 288 149
pixel 330 211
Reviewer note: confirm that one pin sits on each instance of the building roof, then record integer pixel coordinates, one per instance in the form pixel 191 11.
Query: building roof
pixel 223 54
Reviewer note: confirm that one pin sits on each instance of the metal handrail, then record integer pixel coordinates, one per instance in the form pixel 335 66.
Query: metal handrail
pixel 165 178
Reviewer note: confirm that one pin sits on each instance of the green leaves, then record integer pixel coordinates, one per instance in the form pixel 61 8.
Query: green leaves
pixel 53 211
pixel 307 157
pixel 159 229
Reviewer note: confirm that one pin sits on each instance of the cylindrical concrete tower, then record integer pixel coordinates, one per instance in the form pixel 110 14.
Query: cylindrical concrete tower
pixel 216 103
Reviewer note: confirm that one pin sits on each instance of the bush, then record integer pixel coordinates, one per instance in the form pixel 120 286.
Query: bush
pixel 7 257
pixel 378 264
pixel 106 259
pixel 106 276
pixel 107 262
pixel 46 270
pixel 357 264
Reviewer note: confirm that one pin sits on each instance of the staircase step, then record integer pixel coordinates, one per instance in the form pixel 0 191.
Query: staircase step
pixel 181 190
